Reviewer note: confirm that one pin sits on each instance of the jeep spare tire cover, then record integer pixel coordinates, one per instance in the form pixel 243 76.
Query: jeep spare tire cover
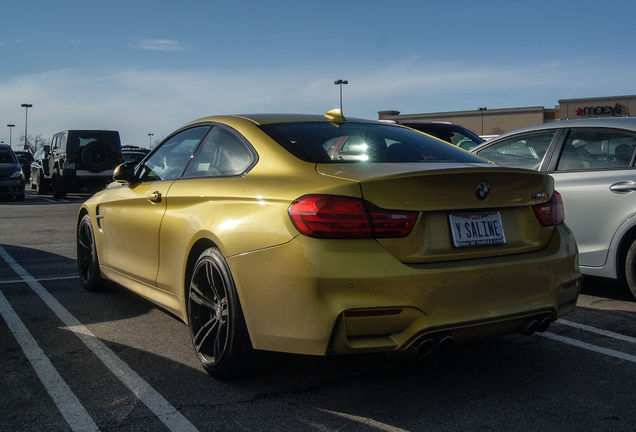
pixel 97 156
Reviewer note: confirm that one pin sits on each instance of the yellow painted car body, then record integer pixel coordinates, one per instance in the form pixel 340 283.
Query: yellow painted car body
pixel 301 294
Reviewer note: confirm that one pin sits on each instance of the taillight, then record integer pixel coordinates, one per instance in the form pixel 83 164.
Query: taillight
pixel 550 213
pixel 68 157
pixel 328 216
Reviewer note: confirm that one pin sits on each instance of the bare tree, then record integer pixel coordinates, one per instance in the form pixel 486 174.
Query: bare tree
pixel 34 143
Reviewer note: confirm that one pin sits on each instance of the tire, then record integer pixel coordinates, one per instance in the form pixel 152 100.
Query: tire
pixel 97 156
pixel 87 262
pixel 217 325
pixel 59 187
pixel 42 186
pixel 630 268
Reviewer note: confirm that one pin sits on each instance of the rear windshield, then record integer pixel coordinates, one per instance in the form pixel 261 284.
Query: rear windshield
pixel 79 139
pixel 358 142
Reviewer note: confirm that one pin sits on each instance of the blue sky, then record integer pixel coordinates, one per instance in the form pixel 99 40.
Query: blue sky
pixel 143 67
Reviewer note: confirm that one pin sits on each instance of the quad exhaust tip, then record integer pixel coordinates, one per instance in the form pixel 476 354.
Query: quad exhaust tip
pixel 535 324
pixel 441 343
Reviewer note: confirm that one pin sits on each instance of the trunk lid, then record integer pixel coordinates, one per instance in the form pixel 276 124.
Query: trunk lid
pixel 438 191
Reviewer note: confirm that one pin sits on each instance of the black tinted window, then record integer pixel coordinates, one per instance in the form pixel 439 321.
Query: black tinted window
pixel 79 139
pixel 359 142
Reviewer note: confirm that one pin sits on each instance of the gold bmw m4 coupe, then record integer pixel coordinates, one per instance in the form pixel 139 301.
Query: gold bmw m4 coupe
pixel 323 235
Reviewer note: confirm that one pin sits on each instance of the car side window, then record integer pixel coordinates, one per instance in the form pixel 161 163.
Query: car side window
pixel 170 159
pixel 522 151
pixel 597 149
pixel 221 154
pixel 61 141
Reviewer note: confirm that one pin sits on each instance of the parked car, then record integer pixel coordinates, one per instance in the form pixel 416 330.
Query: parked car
pixel 449 132
pixel 249 231
pixel 77 159
pixel 592 162
pixel 11 176
pixel 40 164
pixel 25 158
pixel 133 154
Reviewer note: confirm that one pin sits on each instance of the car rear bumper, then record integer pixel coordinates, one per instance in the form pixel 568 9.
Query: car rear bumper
pixel 344 296
pixel 85 174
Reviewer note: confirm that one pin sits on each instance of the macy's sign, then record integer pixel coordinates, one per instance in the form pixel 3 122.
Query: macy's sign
pixel 599 110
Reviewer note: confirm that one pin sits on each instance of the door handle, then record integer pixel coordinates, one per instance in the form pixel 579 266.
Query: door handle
pixel 155 197
pixel 623 187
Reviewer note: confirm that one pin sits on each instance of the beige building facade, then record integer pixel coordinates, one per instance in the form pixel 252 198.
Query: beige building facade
pixel 484 121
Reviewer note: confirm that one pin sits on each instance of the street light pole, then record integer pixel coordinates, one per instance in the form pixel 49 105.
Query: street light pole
pixel 482 109
pixel 26 121
pixel 10 126
pixel 150 140
pixel 340 83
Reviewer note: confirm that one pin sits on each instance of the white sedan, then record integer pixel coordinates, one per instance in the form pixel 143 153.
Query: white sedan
pixel 592 162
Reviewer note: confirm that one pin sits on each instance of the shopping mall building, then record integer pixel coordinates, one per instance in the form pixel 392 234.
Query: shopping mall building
pixel 485 121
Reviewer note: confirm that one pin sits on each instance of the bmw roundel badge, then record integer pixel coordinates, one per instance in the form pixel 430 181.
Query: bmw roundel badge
pixel 482 190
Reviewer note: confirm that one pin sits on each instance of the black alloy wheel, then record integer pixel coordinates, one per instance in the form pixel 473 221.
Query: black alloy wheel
pixel 87 262
pixel 217 325
pixel 630 268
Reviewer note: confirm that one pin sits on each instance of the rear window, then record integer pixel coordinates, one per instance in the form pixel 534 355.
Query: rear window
pixel 80 139
pixel 359 143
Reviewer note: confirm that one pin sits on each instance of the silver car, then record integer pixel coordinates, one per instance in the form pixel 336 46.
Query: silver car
pixel 592 162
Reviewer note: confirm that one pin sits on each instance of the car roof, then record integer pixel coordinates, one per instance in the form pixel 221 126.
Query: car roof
pixel 613 122
pixel 437 125
pixel 262 119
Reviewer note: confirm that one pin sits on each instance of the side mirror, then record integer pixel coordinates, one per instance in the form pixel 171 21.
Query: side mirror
pixel 124 173
pixel 47 149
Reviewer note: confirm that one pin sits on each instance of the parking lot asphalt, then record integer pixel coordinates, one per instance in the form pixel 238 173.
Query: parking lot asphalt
pixel 111 361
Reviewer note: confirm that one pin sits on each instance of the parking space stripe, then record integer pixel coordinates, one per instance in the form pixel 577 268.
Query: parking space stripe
pixel 67 403
pixel 39 280
pixel 374 424
pixel 590 347
pixel 168 414
pixel 598 331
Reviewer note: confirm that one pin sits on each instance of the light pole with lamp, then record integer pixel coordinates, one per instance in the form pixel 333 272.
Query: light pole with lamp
pixel 150 140
pixel 10 126
pixel 340 83
pixel 482 109
pixel 26 121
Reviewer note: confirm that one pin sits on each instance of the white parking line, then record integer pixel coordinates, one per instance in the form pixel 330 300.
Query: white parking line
pixel 590 347
pixel 598 331
pixel 70 407
pixel 168 414
pixel 39 280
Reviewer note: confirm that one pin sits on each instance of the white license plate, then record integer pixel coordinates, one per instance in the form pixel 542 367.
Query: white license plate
pixel 477 229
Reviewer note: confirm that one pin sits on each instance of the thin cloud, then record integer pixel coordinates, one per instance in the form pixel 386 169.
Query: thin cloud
pixel 141 101
pixel 157 45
